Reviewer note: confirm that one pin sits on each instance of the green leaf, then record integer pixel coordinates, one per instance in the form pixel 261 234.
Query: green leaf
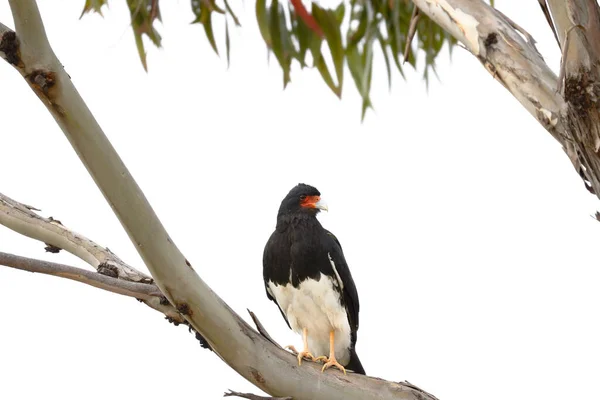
pixel 326 75
pixel 339 13
pixel 230 11
pixel 367 59
pixel 227 43
pixel 361 67
pixel 262 17
pixel 356 36
pixel 281 43
pixel 93 5
pixel 386 58
pixel 142 22
pixel 302 40
pixel 207 23
pixel 203 10
pixel 331 29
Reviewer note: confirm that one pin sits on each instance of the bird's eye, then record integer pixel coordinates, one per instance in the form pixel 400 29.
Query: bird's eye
pixel 303 197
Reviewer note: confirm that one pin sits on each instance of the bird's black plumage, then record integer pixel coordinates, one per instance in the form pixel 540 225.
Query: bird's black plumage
pixel 301 250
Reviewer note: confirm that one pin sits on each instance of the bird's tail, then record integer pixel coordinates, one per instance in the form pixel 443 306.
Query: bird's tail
pixel 354 364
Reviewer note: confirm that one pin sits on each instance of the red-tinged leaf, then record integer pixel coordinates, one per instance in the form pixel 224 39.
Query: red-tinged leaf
pixel 142 22
pixel 305 16
pixel 306 38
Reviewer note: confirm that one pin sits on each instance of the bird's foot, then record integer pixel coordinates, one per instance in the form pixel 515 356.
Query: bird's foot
pixel 324 359
pixel 332 362
pixel 301 354
pixel 307 355
pixel 292 349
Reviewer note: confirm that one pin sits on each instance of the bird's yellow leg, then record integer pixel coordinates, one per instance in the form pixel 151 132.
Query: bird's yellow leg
pixel 332 362
pixel 304 353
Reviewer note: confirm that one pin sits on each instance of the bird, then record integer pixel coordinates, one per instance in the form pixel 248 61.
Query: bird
pixel 306 275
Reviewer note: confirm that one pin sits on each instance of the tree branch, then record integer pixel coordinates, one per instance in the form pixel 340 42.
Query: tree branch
pixel 22 219
pixel 251 396
pixel 517 65
pixel 514 62
pixel 132 289
pixel 149 294
pixel 578 26
pixel 255 358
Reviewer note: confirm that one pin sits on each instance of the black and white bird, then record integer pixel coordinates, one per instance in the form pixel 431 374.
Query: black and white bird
pixel 307 276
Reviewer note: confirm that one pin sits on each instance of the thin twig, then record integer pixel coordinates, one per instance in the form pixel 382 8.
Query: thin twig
pixel 549 19
pixel 261 329
pixel 251 396
pixel 522 31
pixel 126 288
pixel 148 293
pixel 412 29
pixel 415 387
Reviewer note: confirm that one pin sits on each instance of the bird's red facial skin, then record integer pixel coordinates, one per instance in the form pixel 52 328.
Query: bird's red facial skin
pixel 310 201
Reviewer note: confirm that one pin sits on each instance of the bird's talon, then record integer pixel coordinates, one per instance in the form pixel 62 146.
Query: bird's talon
pixel 292 349
pixel 321 358
pixel 307 355
pixel 333 363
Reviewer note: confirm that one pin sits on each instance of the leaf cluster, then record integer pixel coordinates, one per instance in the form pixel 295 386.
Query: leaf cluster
pixel 308 35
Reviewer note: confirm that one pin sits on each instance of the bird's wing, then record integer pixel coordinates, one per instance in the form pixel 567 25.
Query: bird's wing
pixel 271 297
pixel 269 266
pixel 344 277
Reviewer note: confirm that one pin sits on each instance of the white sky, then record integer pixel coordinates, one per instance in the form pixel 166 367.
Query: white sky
pixel 467 230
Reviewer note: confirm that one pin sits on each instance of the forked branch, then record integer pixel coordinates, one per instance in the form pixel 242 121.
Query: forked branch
pixel 255 358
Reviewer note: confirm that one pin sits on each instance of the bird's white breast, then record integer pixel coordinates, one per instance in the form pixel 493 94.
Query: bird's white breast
pixel 315 305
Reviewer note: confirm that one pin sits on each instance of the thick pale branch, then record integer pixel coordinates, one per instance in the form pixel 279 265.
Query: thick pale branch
pixel 261 362
pixel 513 61
pixel 577 23
pixel 22 219
pixel 584 50
pixel 32 35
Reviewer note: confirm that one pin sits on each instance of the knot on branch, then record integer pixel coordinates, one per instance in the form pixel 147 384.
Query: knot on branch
pixel 41 80
pixel 582 93
pixel 108 270
pixel 9 45
pixel 490 40
pixel 50 248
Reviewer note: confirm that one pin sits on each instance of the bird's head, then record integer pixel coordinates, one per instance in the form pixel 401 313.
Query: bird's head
pixel 302 199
